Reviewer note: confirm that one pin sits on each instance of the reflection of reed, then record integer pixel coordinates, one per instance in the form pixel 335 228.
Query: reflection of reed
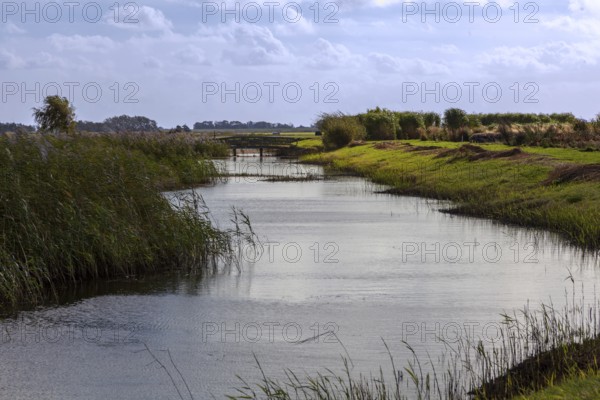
pixel 164 368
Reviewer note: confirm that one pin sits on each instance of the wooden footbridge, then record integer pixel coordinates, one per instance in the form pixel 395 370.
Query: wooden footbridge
pixel 259 143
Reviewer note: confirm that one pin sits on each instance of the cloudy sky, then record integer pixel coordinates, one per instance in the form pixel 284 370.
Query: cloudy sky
pixel 182 61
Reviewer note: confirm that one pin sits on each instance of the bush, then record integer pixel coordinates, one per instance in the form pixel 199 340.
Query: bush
pixel 379 124
pixel 340 130
pixel 432 119
pixel 435 133
pixel 409 125
pixel 505 132
pixel 581 126
pixel 596 124
pixel 455 120
pixel 474 121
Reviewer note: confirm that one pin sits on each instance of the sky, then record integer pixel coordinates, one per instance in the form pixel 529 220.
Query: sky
pixel 183 61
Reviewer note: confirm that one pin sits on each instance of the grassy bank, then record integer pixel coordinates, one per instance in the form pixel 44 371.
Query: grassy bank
pixel 554 189
pixel 85 207
pixel 581 386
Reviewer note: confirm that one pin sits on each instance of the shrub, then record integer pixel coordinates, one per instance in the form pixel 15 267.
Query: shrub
pixel 596 124
pixel 455 121
pixel 581 126
pixel 474 121
pixel 339 130
pixel 432 119
pixel 455 118
pixel 409 124
pixel 435 133
pixel 506 134
pixel 379 124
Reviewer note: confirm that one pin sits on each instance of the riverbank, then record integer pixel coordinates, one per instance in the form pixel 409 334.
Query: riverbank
pixel 83 207
pixel 553 189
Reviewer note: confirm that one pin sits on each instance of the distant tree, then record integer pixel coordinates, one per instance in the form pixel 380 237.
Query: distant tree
pixel 455 119
pixel 57 115
pixel 125 123
pixel 204 125
pixel 432 119
pixel 186 128
pixel 88 126
pixel 13 127
pixel 222 124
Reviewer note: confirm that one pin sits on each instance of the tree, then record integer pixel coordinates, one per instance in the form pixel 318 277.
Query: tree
pixel 57 115
pixel 125 123
pixel 431 119
pixel 455 119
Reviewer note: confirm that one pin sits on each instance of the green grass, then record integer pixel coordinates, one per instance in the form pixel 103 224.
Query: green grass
pixel 582 386
pixel 311 144
pixel 87 207
pixel 508 189
pixel 561 154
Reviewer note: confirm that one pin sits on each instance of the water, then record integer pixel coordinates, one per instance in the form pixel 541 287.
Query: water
pixel 339 262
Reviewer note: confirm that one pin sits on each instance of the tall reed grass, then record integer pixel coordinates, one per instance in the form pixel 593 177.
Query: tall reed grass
pixel 87 207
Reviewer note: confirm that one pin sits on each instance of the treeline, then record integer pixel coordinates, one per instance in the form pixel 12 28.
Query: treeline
pixel 123 123
pixel 523 118
pixel 243 125
pixel 13 127
pixel 557 129
pixel 376 124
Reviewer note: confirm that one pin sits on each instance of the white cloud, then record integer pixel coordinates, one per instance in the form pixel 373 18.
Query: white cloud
pixel 415 66
pixel 255 45
pixel 447 49
pixel 549 57
pixel 329 55
pixel 12 29
pixel 152 62
pixel 585 6
pixel 301 26
pixel 191 55
pixel 10 60
pixel 144 18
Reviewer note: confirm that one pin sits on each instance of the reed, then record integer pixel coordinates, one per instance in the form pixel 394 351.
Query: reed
pixel 537 348
pixel 86 207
